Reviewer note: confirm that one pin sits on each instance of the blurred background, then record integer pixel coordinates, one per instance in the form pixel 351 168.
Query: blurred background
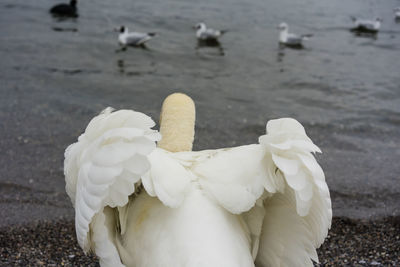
pixel 344 88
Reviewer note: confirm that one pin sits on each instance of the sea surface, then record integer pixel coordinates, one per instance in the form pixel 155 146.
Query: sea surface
pixel 55 75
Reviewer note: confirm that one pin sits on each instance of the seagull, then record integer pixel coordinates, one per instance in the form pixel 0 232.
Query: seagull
pixel 206 34
pixel 126 38
pixel 397 13
pixel 363 25
pixel 65 10
pixel 290 39
pixel 144 198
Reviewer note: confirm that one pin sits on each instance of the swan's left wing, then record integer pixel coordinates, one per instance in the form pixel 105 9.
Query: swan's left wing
pixel 102 170
pixel 279 189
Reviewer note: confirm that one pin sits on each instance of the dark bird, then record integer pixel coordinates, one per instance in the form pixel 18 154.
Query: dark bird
pixel 65 10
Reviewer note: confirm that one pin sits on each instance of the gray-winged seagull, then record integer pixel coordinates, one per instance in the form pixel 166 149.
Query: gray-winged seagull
pixel 367 25
pixel 397 13
pixel 291 39
pixel 206 34
pixel 126 38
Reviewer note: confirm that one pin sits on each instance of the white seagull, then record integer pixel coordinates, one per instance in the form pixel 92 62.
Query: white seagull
pixel 126 38
pixel 397 13
pixel 372 26
pixel 290 39
pixel 142 205
pixel 206 34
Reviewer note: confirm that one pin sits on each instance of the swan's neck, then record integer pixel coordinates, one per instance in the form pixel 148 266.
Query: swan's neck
pixel 177 121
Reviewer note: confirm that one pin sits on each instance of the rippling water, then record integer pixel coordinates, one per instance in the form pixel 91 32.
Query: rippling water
pixel 55 75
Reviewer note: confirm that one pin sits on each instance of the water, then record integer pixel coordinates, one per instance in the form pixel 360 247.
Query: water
pixel 56 75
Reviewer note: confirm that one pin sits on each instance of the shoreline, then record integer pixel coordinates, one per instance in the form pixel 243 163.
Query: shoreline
pixel 350 242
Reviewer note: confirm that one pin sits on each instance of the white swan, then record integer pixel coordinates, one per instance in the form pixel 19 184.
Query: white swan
pixel 145 206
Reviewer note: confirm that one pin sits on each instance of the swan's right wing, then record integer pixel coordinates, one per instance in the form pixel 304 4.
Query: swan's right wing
pixel 278 188
pixel 297 219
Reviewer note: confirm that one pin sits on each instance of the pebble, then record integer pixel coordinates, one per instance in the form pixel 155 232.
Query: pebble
pixel 350 243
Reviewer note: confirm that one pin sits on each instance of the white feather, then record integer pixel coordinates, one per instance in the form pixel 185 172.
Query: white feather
pixel 197 233
pixel 170 179
pixel 94 166
pixel 266 203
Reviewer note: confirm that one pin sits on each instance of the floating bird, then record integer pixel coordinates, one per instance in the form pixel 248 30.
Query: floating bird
pixel 362 25
pixel 206 34
pixel 126 38
pixel 65 10
pixel 138 204
pixel 397 13
pixel 290 39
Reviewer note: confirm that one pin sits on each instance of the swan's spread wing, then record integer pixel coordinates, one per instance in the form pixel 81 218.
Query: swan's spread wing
pixel 104 237
pixel 167 178
pixel 279 189
pixel 236 177
pixel 102 170
pixel 296 221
